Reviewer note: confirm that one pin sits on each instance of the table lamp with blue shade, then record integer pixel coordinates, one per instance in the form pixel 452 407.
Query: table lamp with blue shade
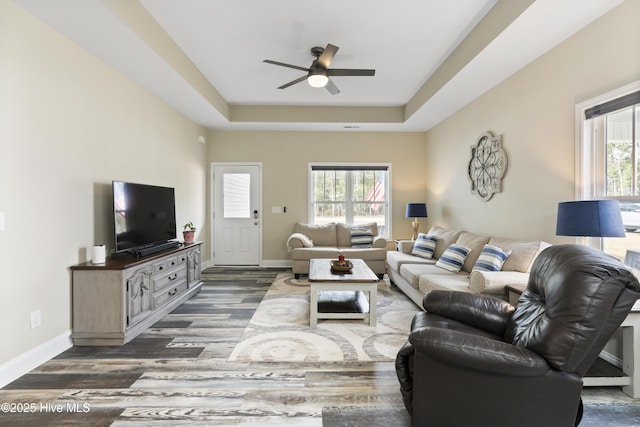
pixel 415 211
pixel 590 218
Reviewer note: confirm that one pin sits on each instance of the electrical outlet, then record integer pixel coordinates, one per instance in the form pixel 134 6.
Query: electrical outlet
pixel 36 318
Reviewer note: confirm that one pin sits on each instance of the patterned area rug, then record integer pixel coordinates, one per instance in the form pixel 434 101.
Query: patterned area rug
pixel 279 330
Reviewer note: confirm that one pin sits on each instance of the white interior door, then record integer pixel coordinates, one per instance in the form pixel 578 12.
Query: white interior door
pixel 236 214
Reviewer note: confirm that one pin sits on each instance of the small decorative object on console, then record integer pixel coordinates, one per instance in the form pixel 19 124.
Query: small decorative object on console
pixel 189 232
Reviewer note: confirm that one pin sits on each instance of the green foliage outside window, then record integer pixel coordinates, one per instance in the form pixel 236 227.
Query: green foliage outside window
pixel 622 153
pixel 351 196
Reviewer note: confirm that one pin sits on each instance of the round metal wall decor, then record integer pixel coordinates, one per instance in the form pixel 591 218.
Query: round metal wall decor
pixel 487 166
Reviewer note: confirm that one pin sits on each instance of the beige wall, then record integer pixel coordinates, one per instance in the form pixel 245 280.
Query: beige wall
pixel 534 112
pixel 286 155
pixel 69 125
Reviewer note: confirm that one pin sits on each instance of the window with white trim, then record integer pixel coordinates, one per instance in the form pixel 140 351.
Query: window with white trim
pixel 609 164
pixel 353 194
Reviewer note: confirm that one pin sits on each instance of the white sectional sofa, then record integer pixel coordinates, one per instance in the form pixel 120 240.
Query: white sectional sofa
pixel 330 240
pixel 415 275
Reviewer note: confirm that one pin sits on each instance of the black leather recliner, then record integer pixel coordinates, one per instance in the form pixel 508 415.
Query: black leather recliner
pixel 473 360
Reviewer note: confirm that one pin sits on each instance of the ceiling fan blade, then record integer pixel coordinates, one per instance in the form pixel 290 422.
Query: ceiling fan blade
pixel 327 56
pixel 291 83
pixel 282 64
pixel 350 72
pixel 332 88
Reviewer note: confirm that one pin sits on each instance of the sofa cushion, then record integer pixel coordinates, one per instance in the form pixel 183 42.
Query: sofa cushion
pixel 424 246
pixel 445 238
pixel 306 254
pixel 367 254
pixel 344 232
pixel 361 238
pixel 475 243
pixel 491 259
pixel 522 253
pixel 395 259
pixel 453 258
pixel 321 235
pixel 412 272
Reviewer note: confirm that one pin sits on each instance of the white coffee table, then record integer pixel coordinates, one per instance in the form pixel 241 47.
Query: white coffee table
pixel 325 284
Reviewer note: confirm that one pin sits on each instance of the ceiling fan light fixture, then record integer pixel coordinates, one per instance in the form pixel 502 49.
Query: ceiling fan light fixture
pixel 318 74
pixel 317 80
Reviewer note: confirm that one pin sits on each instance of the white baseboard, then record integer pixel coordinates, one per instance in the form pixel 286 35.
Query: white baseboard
pixel 26 362
pixel 277 263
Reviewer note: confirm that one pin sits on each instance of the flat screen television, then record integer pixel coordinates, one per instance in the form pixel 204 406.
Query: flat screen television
pixel 144 218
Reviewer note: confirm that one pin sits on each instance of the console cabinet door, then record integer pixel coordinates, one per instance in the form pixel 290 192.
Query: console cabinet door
pixel 138 295
pixel 193 266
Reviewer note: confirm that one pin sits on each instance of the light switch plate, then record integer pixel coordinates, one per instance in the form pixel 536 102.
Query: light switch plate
pixel 1 221
pixel 36 318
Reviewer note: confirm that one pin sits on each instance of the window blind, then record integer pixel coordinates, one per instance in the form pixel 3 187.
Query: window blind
pixel 348 168
pixel 613 105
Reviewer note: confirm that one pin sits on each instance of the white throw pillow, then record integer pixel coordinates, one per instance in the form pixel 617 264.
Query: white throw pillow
pixel 453 258
pixel 361 238
pixel 424 246
pixel 491 259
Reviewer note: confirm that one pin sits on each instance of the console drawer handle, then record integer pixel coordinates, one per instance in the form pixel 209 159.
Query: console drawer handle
pixel 174 277
pixel 173 292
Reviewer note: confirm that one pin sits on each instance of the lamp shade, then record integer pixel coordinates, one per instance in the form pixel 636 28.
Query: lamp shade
pixel 416 210
pixel 590 218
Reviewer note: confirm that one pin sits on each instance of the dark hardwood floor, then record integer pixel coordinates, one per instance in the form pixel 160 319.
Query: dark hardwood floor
pixel 177 373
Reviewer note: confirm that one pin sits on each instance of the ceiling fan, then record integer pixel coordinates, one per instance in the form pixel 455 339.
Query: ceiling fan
pixel 319 72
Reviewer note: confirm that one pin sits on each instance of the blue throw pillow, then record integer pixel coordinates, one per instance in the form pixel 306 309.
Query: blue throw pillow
pixel 424 246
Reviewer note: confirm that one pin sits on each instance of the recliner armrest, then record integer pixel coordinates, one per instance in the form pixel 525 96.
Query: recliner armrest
pixel 478 353
pixel 484 312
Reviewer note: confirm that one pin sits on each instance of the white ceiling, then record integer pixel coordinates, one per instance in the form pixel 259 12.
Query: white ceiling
pixel 204 57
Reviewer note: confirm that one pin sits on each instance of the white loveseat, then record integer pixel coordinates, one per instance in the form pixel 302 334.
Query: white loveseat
pixel 415 276
pixel 330 240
